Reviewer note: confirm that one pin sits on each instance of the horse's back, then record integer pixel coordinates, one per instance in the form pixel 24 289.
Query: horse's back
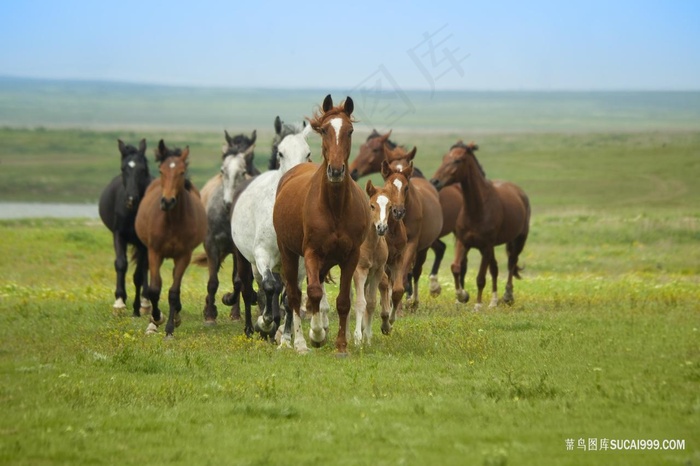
pixel 209 188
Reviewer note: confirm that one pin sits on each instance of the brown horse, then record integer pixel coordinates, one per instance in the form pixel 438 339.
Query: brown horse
pixel 423 217
pixel 369 276
pixel 494 213
pixel 171 222
pixel 396 247
pixel 369 160
pixel 322 215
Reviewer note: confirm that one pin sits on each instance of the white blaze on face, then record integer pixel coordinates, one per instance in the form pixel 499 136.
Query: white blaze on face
pixel 172 165
pixel 131 164
pixel 400 167
pixel 337 123
pixel 398 184
pixel 382 201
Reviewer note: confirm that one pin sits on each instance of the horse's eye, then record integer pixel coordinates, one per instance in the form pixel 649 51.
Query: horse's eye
pixel 322 131
pixel 371 206
pixel 350 131
pixel 308 156
pixel 281 155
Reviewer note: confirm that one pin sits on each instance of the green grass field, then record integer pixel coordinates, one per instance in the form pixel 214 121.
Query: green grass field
pixel 603 343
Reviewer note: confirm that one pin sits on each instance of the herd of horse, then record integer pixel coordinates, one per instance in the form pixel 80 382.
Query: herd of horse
pixel 298 220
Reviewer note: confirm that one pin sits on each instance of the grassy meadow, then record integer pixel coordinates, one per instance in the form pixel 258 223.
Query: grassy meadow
pixel 602 344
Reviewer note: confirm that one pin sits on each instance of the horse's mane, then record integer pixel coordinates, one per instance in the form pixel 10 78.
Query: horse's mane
pixel 375 134
pixel 471 148
pixel 319 115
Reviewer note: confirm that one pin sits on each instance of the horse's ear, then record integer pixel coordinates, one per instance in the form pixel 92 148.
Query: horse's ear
pixel 161 151
pixel 412 154
pixel 142 146
pixel 387 151
pixel 327 103
pixel 278 125
pixel 303 124
pixel 307 129
pixel 254 136
pixel 408 171
pixel 349 106
pixel 473 146
pixel 122 146
pixel 386 169
pixel 228 138
pixel 369 187
pixel 385 138
pixel 185 154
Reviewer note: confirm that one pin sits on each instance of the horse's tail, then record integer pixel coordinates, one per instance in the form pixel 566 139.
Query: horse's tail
pixel 328 279
pixel 201 259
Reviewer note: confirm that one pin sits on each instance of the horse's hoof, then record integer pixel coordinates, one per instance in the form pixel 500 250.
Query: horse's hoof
pixel 210 322
pixel 284 344
pixel 151 329
pixel 235 314
pixel 435 288
pixel 342 355
pixel 159 321
pixel 169 337
pixel 145 307
pixel 318 344
pixel 227 299
pixel 477 307
pixel 462 296
pixel 177 320
pixel 508 299
pixel 386 330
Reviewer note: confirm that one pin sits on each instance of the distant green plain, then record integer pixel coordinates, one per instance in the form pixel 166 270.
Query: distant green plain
pixel 602 343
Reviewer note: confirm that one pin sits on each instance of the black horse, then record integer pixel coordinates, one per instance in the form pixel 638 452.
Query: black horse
pixel 118 205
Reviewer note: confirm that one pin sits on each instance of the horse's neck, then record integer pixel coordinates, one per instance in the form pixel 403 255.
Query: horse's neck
pixel 474 189
pixel 396 233
pixel 334 195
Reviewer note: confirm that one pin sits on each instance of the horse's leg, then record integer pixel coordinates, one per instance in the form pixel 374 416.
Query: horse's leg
pixel 513 248
pixel 233 298
pixel 385 302
pixel 174 318
pixel 290 271
pixel 409 259
pixel 359 279
pixel 486 254
pixel 155 261
pixel 397 292
pixel 459 271
pixel 142 305
pixel 421 256
pixel 372 287
pixel 120 266
pixel 266 322
pixel 438 248
pixel 245 272
pixel 343 302
pixel 314 291
pixel 493 268
pixel 213 264
pixel 276 309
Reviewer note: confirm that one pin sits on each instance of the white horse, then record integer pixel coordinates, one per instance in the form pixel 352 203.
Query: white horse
pixel 254 235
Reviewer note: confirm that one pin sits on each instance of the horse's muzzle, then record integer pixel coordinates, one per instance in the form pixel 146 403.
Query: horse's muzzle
pixel 382 229
pixel 398 212
pixel 335 175
pixel 167 203
pixel 131 202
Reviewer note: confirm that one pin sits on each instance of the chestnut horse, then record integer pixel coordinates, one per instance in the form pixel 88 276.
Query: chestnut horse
pixel 494 213
pixel 395 238
pixel 369 160
pixel 423 218
pixel 370 275
pixel 322 215
pixel 171 222
pixel 118 205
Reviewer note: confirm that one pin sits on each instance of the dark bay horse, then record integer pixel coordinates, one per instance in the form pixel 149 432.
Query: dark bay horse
pixel 171 222
pixel 423 217
pixel 369 160
pixel 118 205
pixel 494 213
pixel 322 215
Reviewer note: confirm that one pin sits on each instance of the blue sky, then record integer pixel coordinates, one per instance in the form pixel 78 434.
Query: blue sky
pixel 533 45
